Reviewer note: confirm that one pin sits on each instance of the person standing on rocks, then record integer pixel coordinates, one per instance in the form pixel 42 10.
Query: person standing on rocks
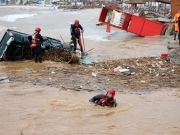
pixel 105 100
pixel 76 30
pixel 37 40
pixel 177 26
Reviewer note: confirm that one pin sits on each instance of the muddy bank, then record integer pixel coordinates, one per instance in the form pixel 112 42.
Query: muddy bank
pixel 145 74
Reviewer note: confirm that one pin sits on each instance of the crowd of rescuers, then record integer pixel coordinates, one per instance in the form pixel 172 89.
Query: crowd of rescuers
pixel 177 26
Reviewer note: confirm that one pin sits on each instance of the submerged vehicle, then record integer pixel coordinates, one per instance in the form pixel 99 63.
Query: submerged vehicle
pixel 16 45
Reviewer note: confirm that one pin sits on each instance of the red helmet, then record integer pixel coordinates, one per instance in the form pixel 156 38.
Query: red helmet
pixel 112 91
pixel 38 29
pixel 76 22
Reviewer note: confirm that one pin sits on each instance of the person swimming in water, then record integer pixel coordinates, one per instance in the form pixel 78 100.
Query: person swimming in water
pixel 105 100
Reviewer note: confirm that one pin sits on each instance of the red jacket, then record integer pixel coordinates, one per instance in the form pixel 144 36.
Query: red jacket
pixel 103 100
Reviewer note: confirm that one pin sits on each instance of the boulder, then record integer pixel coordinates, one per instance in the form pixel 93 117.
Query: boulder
pixel 174 56
pixel 170 29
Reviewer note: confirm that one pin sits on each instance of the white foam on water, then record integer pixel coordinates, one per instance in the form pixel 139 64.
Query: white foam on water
pixel 13 18
pixel 5 28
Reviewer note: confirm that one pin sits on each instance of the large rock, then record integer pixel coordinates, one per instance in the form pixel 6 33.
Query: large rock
pixel 174 56
pixel 170 29
pixel 173 46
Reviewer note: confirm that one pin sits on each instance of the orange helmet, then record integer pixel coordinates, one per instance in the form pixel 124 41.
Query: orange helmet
pixel 76 22
pixel 112 91
pixel 38 29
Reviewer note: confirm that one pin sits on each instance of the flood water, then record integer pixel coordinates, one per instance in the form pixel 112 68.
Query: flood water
pixel 114 45
pixel 44 110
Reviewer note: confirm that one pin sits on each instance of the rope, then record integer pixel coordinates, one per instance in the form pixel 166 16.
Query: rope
pixel 70 59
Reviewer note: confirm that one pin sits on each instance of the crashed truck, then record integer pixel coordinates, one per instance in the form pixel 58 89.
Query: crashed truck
pixel 16 46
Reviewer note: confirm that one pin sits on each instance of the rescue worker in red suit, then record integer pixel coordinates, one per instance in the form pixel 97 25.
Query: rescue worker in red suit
pixel 76 30
pixel 37 39
pixel 177 26
pixel 105 100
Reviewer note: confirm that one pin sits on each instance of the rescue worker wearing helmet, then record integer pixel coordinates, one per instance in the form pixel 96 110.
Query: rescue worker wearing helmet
pixel 37 40
pixel 105 100
pixel 177 26
pixel 76 30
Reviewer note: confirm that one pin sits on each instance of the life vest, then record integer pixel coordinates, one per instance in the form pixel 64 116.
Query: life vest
pixel 33 45
pixel 177 21
pixel 105 102
pixel 35 40
pixel 77 31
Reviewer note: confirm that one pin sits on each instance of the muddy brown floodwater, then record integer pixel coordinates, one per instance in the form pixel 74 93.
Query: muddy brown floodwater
pixel 42 110
pixel 52 98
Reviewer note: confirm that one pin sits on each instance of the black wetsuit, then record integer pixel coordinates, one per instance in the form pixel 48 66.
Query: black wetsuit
pixel 37 49
pixel 97 100
pixel 75 33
